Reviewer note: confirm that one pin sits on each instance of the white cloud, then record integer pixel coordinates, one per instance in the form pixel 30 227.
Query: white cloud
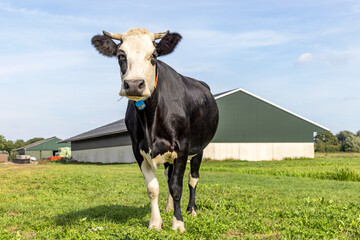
pixel 349 98
pixel 253 39
pixel 9 8
pixel 49 16
pixel 258 39
pixel 305 58
pixel 20 63
pixel 330 59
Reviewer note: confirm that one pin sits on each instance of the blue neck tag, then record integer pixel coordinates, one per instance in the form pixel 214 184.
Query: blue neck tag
pixel 140 104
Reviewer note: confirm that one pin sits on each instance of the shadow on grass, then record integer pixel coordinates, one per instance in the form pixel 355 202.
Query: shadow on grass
pixel 113 213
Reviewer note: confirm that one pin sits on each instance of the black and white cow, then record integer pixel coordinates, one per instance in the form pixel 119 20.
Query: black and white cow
pixel 171 118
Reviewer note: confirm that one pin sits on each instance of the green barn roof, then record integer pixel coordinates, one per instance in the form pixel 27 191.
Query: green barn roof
pixel 50 144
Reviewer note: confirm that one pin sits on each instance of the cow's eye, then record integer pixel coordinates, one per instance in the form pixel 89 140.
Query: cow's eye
pixel 153 58
pixel 122 57
pixel 122 62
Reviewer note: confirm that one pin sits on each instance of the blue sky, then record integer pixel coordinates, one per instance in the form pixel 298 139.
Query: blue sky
pixel 301 55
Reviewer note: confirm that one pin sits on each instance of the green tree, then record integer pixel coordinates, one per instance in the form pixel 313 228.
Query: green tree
pixel 19 143
pixel 326 142
pixel 2 142
pixel 36 139
pixel 9 146
pixel 349 141
pixel 341 136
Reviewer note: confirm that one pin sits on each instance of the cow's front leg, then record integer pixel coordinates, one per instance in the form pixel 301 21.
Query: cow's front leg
pixel 176 186
pixel 152 186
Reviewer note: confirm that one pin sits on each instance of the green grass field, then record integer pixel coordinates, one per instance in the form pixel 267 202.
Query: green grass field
pixel 292 199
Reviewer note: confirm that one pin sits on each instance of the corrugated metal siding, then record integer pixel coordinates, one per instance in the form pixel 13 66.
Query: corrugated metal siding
pixel 121 154
pixel 244 118
pixel 35 154
pixel 39 154
pixel 49 145
pixel 114 140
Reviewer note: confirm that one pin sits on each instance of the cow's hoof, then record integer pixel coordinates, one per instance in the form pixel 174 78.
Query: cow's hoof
pixel 178 225
pixel 192 212
pixel 154 226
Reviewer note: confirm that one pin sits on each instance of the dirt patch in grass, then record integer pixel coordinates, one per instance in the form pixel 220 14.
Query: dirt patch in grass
pixel 28 235
pixel 12 213
pixel 11 164
pixel 236 234
pixel 24 234
pixel 13 229
pixel 268 236
pixel 16 166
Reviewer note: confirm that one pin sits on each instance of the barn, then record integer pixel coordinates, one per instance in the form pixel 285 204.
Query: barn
pixel 43 148
pixel 250 128
pixel 107 144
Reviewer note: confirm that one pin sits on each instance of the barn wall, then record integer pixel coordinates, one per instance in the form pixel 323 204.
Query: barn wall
pixel 120 154
pixel 39 154
pixel 114 140
pixel 247 119
pixel 258 151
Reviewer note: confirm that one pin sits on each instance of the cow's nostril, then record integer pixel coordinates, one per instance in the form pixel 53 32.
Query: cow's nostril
pixel 126 85
pixel 142 85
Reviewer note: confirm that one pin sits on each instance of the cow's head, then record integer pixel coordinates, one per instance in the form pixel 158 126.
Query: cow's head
pixel 137 53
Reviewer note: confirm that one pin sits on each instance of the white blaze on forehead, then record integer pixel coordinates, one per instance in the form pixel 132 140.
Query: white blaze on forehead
pixel 138 45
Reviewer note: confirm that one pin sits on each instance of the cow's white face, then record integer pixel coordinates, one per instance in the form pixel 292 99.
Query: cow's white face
pixel 136 53
pixel 137 64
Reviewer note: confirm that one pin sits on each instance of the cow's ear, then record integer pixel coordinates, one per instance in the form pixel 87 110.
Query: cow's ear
pixel 105 45
pixel 168 43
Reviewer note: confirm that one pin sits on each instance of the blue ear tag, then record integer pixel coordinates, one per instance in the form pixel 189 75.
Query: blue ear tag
pixel 140 104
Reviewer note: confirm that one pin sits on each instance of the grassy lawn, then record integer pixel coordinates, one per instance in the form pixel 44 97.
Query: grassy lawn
pixel 292 199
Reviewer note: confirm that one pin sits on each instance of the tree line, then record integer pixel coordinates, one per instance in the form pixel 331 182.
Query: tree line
pixel 344 141
pixel 9 146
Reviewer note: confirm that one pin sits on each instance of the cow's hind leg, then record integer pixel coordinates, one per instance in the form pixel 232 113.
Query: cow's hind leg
pixel 193 180
pixel 176 186
pixel 152 186
pixel 168 171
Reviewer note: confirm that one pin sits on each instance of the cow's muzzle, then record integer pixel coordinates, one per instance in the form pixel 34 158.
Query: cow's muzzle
pixel 134 88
